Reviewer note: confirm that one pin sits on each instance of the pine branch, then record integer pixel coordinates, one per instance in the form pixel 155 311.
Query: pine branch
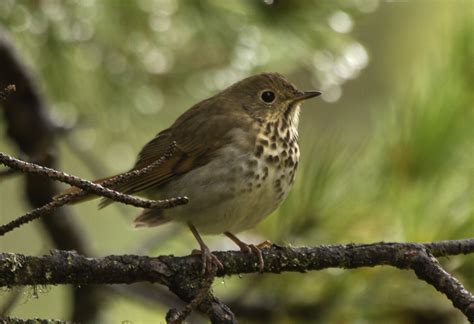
pixel 182 274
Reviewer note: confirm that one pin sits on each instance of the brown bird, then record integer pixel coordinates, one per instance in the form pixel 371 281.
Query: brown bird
pixel 236 157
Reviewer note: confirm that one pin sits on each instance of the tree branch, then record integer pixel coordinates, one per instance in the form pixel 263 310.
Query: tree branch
pixel 182 274
pixel 87 186
pixel 98 189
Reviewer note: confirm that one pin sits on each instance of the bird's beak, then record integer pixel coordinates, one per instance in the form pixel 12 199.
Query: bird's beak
pixel 306 95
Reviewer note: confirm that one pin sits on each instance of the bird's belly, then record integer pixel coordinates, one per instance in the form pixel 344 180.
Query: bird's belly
pixel 229 194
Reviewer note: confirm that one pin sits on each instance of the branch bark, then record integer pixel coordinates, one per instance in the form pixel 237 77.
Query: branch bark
pixel 182 274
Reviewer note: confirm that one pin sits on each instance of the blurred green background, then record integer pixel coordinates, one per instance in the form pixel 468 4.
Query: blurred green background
pixel 387 154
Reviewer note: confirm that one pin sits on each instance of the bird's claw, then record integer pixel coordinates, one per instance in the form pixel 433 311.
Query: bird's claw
pixel 251 248
pixel 209 260
pixel 255 249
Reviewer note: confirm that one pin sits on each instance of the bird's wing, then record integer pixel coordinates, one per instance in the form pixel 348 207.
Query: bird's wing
pixel 198 135
pixel 181 161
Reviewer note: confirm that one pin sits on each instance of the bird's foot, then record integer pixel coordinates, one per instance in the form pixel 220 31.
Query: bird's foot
pixel 258 252
pixel 251 248
pixel 208 260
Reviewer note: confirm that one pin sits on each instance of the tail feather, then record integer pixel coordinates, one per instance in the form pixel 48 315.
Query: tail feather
pixel 150 218
pixel 147 218
pixel 89 196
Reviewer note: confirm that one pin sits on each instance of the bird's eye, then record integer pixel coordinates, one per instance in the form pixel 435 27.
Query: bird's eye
pixel 267 96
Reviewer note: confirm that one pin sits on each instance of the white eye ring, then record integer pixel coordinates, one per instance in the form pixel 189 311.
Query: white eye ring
pixel 267 96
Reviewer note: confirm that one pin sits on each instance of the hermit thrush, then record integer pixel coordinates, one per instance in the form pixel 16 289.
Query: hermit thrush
pixel 236 157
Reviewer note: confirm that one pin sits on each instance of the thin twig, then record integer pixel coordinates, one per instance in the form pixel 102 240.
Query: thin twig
pixel 32 215
pixel 88 187
pixel 91 187
pixel 35 320
pixel 86 158
pixel 124 177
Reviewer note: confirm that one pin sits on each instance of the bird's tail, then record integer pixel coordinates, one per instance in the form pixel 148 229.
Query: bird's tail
pixel 150 218
pixel 86 197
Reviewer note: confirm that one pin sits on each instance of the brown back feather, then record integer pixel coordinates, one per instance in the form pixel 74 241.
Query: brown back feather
pixel 199 132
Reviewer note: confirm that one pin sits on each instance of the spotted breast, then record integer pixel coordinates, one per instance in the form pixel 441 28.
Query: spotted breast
pixel 276 158
pixel 240 187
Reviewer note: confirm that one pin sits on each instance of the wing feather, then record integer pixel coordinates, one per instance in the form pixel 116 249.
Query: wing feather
pixel 199 133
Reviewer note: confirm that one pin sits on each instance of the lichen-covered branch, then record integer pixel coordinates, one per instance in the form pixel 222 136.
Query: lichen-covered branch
pixel 182 274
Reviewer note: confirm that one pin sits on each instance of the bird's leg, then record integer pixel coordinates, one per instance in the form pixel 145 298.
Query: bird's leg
pixel 208 259
pixel 249 248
